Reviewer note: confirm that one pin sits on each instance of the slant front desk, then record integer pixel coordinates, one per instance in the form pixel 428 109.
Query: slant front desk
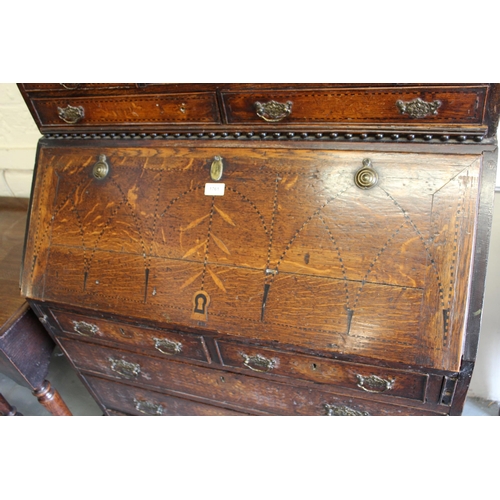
pixel 271 249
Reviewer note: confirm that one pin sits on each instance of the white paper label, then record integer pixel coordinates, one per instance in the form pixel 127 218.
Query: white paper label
pixel 212 189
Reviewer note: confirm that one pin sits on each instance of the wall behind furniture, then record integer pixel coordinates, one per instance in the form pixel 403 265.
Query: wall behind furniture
pixel 19 136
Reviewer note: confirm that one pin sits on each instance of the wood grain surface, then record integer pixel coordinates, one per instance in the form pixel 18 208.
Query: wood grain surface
pixel 293 251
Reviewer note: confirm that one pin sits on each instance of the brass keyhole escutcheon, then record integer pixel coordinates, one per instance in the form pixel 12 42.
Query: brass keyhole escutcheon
pixel 366 177
pixel 217 169
pixel 101 168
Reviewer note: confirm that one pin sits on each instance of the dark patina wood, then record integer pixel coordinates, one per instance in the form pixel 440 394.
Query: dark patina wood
pixel 25 346
pixel 6 410
pixel 328 258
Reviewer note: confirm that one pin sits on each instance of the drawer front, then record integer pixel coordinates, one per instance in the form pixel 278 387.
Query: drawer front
pixel 293 250
pixel 373 380
pixel 440 106
pixel 135 401
pixel 64 87
pixel 160 342
pixel 232 390
pixel 115 111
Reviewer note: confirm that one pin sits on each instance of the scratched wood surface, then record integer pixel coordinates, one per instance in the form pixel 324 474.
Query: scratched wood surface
pixel 292 252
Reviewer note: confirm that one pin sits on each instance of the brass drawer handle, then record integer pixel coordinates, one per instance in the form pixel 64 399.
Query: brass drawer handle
pixel 125 368
pixel 85 329
pixel 167 346
pixel 418 108
pixel 148 407
pixel 273 111
pixel 343 411
pixel 258 363
pixel 374 384
pixel 366 177
pixel 71 114
pixel 70 86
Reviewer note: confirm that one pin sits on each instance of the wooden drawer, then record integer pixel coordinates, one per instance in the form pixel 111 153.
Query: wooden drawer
pixel 126 111
pixel 231 390
pixel 438 106
pixel 130 400
pixel 65 87
pixel 168 343
pixel 326 371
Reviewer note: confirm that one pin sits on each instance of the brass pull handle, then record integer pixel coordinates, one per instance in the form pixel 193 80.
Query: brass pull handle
pixel 366 177
pixel 70 86
pixel 148 407
pixel 343 411
pixel 101 168
pixel 258 363
pixel 273 111
pixel 125 368
pixel 217 168
pixel 374 384
pixel 85 329
pixel 71 114
pixel 167 346
pixel 418 108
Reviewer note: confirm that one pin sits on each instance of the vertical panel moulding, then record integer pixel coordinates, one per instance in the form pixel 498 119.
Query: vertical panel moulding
pixel 480 254
pixel 459 327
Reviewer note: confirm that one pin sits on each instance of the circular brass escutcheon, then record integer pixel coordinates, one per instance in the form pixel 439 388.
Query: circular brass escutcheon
pixel 101 168
pixel 366 177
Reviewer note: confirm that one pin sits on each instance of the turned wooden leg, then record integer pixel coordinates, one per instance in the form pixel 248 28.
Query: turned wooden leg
pixel 6 410
pixel 51 400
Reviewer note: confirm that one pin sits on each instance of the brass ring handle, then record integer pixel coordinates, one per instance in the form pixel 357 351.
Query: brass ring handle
pixel 85 329
pixel 366 177
pixel 258 363
pixel 71 114
pixel 374 384
pixel 273 111
pixel 167 346
pixel 125 368
pixel 148 407
pixel 343 411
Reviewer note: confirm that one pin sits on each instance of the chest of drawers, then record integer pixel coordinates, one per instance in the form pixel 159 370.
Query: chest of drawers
pixel 232 249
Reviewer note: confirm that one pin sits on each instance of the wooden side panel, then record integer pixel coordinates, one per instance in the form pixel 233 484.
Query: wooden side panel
pixel 292 251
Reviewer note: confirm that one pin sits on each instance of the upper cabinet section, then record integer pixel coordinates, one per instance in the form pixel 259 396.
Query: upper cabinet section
pixel 467 111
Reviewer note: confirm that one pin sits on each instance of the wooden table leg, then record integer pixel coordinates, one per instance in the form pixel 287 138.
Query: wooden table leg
pixel 6 410
pixel 51 400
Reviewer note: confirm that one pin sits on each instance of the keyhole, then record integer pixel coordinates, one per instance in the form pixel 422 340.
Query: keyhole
pixel 314 366
pixel 201 302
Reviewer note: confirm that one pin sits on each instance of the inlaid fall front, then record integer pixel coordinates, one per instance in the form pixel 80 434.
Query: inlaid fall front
pixel 284 244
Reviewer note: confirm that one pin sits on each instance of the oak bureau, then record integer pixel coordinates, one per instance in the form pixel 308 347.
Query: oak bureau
pixel 263 249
